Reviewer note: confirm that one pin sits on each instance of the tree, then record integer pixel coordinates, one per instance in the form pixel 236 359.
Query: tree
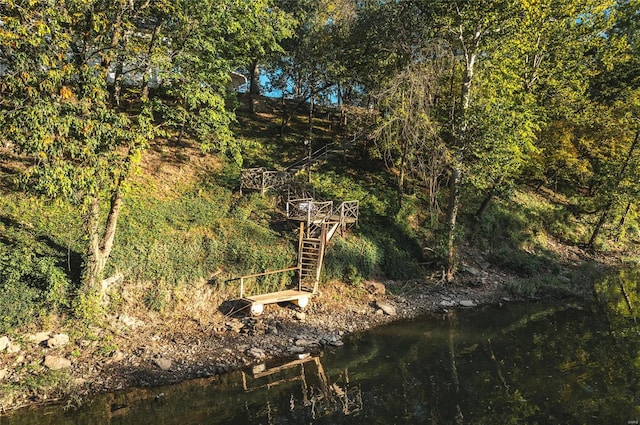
pixel 87 84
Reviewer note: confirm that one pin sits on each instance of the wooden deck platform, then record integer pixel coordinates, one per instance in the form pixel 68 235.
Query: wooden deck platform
pixel 257 302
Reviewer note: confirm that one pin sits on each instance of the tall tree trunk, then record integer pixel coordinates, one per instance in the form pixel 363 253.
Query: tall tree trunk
pixel 470 56
pixel 254 85
pixel 452 216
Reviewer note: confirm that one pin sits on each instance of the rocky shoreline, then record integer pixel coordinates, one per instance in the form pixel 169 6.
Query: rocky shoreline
pixel 138 352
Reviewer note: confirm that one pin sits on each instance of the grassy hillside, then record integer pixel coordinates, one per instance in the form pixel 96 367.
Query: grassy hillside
pixel 185 228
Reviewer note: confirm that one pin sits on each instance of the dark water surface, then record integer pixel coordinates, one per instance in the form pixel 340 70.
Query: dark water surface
pixel 520 364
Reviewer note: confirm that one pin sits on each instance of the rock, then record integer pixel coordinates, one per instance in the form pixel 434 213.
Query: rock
pixel 163 363
pixel 59 340
pixel 130 322
pixel 447 303
pixel 4 343
pixel 387 308
pixel 301 315
pixel 376 288
pixel 235 326
pixel 56 363
pixel 117 356
pixel 297 350
pixel 306 342
pixel 3 374
pixel 471 270
pixel 256 353
pixel 39 337
pixel 467 303
pixel 13 348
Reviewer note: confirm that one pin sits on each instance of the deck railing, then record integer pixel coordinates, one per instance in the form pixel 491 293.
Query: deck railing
pixel 262 179
pixel 267 273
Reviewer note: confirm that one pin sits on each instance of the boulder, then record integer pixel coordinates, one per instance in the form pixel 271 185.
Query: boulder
pixel 306 342
pixel 467 303
pixel 56 363
pixel 59 340
pixel 163 363
pixel 4 343
pixel 13 348
pixel 376 288
pixel 301 315
pixel 256 353
pixel 39 337
pixel 387 308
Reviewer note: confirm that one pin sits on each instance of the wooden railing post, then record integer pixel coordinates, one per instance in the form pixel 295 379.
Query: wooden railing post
pixel 242 287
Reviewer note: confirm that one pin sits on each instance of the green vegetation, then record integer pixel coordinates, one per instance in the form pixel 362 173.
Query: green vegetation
pixel 505 130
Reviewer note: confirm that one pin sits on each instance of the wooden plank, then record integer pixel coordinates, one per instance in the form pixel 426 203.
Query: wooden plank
pixel 276 297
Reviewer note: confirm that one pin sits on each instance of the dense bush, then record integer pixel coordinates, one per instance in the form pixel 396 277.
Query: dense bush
pixel 29 285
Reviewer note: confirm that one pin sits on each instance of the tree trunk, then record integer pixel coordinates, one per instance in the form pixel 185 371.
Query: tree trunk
pixel 619 179
pixel 99 247
pixel 452 215
pixel 599 225
pixel 147 73
pixel 488 198
pixel 254 85
pixel 623 219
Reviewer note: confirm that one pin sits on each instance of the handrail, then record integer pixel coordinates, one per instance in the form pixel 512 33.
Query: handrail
pixel 248 276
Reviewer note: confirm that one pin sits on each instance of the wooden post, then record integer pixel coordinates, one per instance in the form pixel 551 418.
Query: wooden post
pixel 242 287
pixel 300 256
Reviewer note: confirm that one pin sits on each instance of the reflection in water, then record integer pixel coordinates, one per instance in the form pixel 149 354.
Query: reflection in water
pixel 319 396
pixel 523 364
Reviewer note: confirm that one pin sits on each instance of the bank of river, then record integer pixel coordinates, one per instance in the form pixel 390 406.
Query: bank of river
pixel 516 363
pixel 133 350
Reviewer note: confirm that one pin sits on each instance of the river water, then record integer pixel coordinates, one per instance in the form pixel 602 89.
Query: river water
pixel 518 364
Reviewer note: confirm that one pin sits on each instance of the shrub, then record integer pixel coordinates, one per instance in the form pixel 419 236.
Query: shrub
pixel 29 285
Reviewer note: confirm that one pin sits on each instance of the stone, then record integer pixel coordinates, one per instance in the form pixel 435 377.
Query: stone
pixel 467 303
pixel 4 343
pixel 3 373
pixel 447 303
pixel 305 342
pixel 471 270
pixel 376 288
pixel 117 356
pixel 13 348
pixel 235 326
pixel 130 322
pixel 256 353
pixel 297 350
pixel 56 363
pixel 387 308
pixel 163 363
pixel 59 340
pixel 301 315
pixel 39 337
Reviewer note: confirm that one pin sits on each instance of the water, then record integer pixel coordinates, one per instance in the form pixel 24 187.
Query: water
pixel 520 364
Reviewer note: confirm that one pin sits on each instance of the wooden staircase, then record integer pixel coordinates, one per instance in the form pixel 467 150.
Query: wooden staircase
pixel 310 256
pixel 319 222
